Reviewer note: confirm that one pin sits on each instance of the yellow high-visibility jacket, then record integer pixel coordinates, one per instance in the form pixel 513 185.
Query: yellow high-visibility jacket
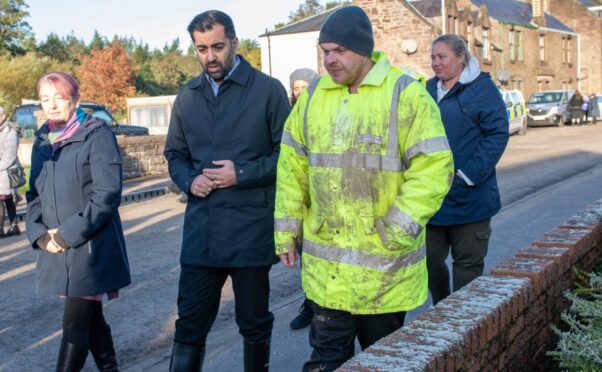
pixel 358 179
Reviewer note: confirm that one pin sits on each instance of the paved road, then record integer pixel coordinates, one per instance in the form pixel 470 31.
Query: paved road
pixel 545 177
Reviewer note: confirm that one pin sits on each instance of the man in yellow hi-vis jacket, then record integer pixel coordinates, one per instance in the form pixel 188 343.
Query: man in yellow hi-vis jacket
pixel 364 164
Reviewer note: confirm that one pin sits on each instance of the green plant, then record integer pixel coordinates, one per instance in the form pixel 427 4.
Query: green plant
pixel 580 346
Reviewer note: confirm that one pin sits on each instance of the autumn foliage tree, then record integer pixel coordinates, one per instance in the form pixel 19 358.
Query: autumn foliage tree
pixel 106 76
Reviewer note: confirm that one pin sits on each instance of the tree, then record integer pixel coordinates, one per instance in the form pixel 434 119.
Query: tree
pixel 19 76
pixel 15 32
pixel 306 9
pixel 98 41
pixel 55 48
pixel 106 76
pixel 249 48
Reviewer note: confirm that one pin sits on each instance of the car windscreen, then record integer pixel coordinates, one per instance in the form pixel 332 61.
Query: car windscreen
pixel 99 113
pixel 25 118
pixel 546 97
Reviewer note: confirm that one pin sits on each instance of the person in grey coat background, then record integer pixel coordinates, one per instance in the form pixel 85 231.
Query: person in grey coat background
pixel 73 220
pixel 9 144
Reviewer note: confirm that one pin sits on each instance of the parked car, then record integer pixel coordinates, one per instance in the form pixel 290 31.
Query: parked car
pixel 516 109
pixel 550 107
pixel 30 116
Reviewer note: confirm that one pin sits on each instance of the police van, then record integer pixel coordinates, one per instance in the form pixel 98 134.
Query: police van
pixel 516 110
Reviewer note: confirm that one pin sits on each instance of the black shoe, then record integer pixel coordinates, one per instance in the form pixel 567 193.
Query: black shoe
pixel 14 230
pixel 71 357
pixel 101 347
pixel 257 356
pixel 306 313
pixel 186 358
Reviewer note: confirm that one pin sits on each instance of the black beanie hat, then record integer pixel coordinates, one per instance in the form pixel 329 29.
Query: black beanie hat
pixel 351 28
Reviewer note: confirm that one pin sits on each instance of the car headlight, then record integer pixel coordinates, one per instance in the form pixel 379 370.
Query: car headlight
pixel 554 110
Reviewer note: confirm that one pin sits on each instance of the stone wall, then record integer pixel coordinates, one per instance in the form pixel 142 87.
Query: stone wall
pixel 394 21
pixel 142 155
pixel 500 321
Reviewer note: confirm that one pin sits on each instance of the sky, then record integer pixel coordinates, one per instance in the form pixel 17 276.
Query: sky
pixel 155 22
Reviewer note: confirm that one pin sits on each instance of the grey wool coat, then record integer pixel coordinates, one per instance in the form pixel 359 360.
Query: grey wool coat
pixel 77 190
pixel 9 144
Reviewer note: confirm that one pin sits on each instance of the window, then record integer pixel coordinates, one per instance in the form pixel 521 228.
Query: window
pixel 542 47
pixel 517 84
pixel 511 45
pixel 519 46
pixel 567 50
pixel 485 41
pixel 469 36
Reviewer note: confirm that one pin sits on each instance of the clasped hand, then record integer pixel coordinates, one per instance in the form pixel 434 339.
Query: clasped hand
pixel 47 242
pixel 214 178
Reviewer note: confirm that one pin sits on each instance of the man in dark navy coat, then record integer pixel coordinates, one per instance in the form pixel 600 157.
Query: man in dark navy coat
pixel 222 148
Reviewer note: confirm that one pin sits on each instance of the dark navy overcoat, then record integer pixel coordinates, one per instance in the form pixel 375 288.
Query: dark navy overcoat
pixel 231 227
pixel 77 189
pixel 476 123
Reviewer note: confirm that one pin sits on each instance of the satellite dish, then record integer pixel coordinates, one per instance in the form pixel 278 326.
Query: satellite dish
pixel 409 46
pixel 582 74
pixel 503 75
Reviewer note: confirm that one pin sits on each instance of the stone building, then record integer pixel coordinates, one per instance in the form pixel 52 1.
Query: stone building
pixel 583 16
pixel 523 46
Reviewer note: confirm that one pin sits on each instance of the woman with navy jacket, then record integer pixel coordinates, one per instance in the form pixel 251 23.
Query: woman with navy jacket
pixel 72 219
pixel 476 123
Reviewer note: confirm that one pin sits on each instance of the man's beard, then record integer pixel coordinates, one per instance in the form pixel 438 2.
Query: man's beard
pixel 224 70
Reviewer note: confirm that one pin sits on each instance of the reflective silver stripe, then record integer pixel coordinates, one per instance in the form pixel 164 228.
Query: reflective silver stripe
pixel 398 217
pixel 356 160
pixel 287 225
pixel 363 259
pixel 428 146
pixel 287 139
pixel 310 92
pixel 393 145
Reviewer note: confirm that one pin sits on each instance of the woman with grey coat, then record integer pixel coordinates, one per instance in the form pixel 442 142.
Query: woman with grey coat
pixel 9 143
pixel 73 220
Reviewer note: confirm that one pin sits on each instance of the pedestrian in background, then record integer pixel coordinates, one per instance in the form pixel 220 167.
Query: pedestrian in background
pixel 222 148
pixel 575 104
pixel 73 220
pixel 300 79
pixel 476 123
pixel 593 110
pixel 584 109
pixel 364 164
pixel 9 144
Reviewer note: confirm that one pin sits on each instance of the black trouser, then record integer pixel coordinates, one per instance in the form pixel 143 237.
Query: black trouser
pixel 81 319
pixel 469 244
pixel 11 210
pixel 332 335
pixel 199 296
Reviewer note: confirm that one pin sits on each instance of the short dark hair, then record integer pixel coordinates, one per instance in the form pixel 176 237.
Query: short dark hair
pixel 205 21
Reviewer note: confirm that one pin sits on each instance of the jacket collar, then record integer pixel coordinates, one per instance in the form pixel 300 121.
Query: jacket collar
pixel 375 77
pixel 89 125
pixel 240 76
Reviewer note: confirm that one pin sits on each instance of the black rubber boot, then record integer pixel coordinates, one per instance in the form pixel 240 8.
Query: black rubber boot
pixel 71 357
pixel 257 356
pixel 306 313
pixel 186 358
pixel 14 230
pixel 101 347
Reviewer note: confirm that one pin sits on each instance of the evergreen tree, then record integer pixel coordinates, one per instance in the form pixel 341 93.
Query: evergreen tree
pixel 15 32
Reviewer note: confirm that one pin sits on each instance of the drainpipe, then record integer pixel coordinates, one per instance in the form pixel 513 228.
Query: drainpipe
pixel 579 61
pixel 269 52
pixel 443 16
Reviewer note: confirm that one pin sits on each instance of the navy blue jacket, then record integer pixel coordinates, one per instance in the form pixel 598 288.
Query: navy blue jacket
pixel 231 227
pixel 78 190
pixel 476 123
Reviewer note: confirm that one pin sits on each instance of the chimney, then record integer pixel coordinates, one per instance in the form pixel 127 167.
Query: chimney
pixel 540 7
